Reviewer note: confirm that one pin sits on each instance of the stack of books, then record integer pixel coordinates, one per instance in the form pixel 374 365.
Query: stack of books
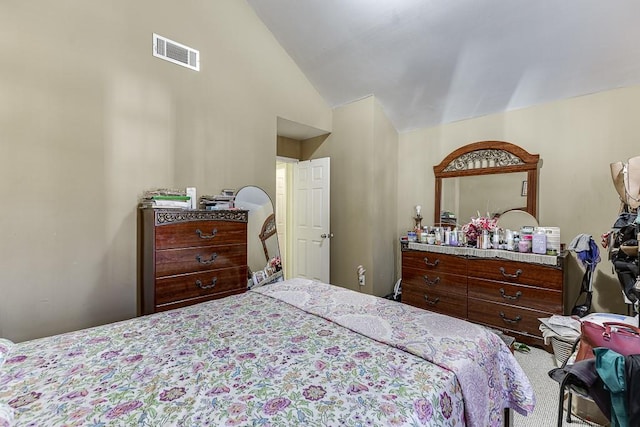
pixel 448 218
pixel 225 200
pixel 165 198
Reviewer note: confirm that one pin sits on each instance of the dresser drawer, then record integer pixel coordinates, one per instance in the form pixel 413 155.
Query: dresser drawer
pixel 520 295
pixel 200 233
pixel 450 303
pixel 431 281
pixel 430 261
pixel 196 300
pixel 177 288
pixel 497 292
pixel 517 272
pixel 179 261
pixel 506 316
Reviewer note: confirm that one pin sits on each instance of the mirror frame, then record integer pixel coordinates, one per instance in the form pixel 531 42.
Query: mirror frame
pixel 485 158
pixel 256 200
pixel 268 230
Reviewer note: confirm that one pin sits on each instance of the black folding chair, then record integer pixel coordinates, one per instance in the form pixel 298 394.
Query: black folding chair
pixel 570 383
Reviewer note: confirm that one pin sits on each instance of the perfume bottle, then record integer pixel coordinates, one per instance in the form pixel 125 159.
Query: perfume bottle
pixel 485 239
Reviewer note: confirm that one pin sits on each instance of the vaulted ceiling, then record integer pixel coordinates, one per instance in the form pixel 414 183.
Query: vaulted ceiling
pixel 430 62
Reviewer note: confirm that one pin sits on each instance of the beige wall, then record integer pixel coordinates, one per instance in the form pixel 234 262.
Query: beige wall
pixel 577 139
pixel 363 149
pixel 288 147
pixel 384 239
pixel 89 119
pixel 309 146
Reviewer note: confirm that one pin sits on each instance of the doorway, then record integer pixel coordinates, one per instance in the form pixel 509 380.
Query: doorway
pixel 301 205
pixel 302 217
pixel 284 177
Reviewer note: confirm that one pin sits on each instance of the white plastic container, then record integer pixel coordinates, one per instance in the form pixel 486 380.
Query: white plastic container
pixel 553 237
pixel 539 242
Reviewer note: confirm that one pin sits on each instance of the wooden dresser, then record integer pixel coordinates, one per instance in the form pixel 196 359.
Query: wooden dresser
pixel 435 282
pixel 504 294
pixel 190 256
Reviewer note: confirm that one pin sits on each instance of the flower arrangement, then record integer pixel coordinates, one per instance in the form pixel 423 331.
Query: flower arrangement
pixel 477 225
pixel 275 263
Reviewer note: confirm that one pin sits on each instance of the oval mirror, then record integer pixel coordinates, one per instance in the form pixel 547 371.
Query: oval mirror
pixel 516 219
pixel 263 249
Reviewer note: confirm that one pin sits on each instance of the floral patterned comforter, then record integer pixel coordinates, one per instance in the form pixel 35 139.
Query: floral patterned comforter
pixel 250 359
pixel 490 377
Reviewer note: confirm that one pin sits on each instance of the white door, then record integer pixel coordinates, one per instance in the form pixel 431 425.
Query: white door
pixel 311 232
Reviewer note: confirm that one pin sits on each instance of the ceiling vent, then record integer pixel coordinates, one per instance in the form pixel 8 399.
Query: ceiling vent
pixel 175 52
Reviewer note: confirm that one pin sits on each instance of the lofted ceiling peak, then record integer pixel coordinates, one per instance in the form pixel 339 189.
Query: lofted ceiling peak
pixel 431 62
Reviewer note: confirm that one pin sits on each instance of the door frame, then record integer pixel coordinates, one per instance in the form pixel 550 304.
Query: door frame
pixel 289 243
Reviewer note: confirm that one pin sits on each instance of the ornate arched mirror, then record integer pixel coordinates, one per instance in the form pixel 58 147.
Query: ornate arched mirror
pixel 263 249
pixel 491 177
pixel 266 236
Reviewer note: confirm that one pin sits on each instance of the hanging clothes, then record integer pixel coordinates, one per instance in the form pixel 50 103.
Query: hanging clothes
pixel 632 376
pixel 588 253
pixel 584 380
pixel 586 250
pixel 610 368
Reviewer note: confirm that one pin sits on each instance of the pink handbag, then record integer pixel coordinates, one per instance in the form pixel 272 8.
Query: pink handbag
pixel 619 337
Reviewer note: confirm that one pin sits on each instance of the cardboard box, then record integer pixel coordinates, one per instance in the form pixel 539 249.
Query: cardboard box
pixel 587 410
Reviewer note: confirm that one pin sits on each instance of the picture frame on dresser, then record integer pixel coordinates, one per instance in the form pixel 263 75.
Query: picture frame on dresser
pixel 258 276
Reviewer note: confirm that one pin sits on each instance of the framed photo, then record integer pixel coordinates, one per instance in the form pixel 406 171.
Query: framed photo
pixel 524 189
pixel 258 277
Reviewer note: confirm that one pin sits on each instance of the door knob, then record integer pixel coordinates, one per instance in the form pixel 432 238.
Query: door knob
pixel 325 235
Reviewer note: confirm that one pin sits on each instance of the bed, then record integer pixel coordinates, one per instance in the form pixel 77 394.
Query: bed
pixel 297 352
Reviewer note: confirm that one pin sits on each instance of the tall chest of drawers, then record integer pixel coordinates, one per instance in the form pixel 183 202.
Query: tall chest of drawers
pixel 190 256
pixel 500 293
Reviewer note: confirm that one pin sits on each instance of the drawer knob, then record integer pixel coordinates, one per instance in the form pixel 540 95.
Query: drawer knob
pixel 203 286
pixel 510 297
pixel 513 276
pixel 207 261
pixel 431 282
pixel 207 236
pixel 507 320
pixel 431 264
pixel 431 301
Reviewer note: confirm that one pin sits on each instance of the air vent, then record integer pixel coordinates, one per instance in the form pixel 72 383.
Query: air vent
pixel 175 52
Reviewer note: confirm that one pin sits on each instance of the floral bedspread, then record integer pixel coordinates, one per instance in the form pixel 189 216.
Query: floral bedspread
pixel 490 377
pixel 244 360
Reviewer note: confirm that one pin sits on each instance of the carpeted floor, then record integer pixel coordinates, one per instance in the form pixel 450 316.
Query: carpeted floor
pixel 536 364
